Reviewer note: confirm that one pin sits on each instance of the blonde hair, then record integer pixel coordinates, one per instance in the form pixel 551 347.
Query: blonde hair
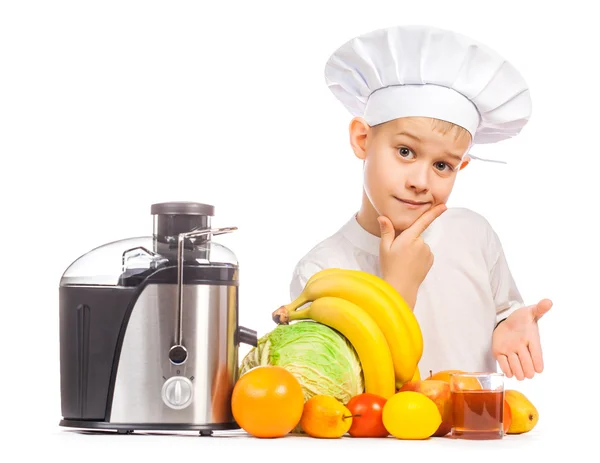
pixel 438 125
pixel 445 127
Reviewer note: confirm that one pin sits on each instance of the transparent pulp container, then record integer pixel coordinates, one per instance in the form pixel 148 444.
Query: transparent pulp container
pixel 129 261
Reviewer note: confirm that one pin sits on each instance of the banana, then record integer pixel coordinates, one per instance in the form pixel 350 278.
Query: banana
pixel 417 375
pixel 369 296
pixel 405 311
pixel 402 306
pixel 360 329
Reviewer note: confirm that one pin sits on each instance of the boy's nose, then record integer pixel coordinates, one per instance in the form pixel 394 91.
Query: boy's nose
pixel 417 180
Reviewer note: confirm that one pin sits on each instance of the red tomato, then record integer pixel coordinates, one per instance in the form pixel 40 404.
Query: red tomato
pixel 369 423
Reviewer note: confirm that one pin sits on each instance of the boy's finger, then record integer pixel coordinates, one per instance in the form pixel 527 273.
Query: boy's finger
pixel 504 366
pixel 515 366
pixel 421 224
pixel 541 308
pixel 387 232
pixel 526 362
pixel 535 350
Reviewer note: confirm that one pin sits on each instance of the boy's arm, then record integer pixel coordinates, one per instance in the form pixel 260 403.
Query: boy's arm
pixel 507 297
pixel 408 292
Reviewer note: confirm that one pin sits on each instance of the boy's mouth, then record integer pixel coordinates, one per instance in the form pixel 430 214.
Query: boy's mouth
pixel 412 204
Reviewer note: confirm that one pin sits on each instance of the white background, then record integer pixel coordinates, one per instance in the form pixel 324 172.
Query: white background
pixel 109 106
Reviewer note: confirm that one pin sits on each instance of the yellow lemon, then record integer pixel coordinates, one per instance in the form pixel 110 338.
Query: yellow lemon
pixel 411 415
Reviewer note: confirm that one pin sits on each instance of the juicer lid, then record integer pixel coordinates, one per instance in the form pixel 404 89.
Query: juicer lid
pixel 182 208
pixel 159 256
pixel 134 259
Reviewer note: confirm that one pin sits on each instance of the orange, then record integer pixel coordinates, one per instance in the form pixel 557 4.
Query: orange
pixel 267 401
pixel 469 383
pixel 465 383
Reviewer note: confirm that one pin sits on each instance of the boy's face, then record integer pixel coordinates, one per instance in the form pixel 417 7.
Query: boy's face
pixel 409 166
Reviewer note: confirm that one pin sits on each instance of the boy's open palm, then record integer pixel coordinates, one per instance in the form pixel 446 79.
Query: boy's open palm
pixel 516 341
pixel 406 259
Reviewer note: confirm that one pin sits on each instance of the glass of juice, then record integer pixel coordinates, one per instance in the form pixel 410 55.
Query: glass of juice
pixel 477 405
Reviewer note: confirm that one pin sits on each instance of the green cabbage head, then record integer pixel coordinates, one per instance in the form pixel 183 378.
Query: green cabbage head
pixel 321 359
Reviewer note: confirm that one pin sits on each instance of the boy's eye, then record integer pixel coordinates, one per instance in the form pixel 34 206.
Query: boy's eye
pixel 444 167
pixel 405 152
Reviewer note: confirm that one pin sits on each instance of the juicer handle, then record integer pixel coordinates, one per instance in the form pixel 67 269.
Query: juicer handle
pixel 205 231
pixel 182 236
pixel 247 336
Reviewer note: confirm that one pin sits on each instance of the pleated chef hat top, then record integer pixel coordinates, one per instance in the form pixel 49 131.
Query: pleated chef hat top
pixel 425 71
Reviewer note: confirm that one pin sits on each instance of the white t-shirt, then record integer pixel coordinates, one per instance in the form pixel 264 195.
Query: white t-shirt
pixel 467 291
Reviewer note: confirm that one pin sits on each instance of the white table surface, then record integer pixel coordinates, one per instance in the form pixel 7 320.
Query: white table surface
pixel 107 446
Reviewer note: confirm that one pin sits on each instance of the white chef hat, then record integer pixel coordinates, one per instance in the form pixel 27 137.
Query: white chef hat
pixel 426 71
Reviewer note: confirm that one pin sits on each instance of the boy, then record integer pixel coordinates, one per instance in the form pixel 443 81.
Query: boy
pixel 421 97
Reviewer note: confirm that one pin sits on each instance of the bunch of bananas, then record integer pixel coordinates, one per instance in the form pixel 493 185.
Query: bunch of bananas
pixel 371 314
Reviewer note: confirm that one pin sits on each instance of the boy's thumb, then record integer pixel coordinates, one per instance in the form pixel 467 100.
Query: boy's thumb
pixel 386 228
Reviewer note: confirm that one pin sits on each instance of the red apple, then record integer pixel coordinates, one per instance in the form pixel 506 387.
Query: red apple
pixel 439 392
pixel 367 418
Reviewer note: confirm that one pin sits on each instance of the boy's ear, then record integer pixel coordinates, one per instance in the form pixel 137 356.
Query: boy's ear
pixel 465 163
pixel 359 130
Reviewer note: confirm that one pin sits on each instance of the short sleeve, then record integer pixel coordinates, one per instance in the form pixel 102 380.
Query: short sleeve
pixel 507 297
pixel 303 271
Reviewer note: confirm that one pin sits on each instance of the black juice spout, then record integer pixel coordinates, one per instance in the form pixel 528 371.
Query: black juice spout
pixel 247 336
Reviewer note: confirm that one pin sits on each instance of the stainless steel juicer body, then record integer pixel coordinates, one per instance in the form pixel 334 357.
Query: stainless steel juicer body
pixel 157 347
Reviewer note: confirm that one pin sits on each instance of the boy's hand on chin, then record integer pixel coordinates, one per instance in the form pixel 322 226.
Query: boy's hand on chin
pixel 516 341
pixel 405 260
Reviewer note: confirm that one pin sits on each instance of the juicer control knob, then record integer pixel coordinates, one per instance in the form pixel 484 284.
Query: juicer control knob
pixel 177 392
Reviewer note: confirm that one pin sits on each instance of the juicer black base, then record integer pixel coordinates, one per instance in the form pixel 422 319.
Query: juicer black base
pixel 127 428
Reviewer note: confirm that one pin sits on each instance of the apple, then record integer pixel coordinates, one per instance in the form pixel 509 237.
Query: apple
pixel 439 392
pixel 367 420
